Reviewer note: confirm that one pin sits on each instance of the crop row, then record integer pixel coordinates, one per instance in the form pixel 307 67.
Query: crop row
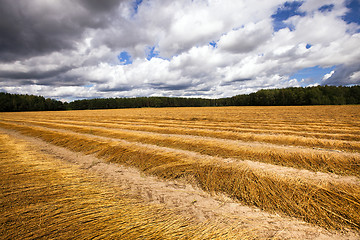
pixel 331 205
pixel 314 160
pixel 43 198
pixel 316 129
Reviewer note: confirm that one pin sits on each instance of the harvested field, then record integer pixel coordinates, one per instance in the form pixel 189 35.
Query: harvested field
pixel 299 163
pixel 43 198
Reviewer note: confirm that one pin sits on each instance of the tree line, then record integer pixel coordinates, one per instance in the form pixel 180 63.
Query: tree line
pixel 21 102
pixel 319 95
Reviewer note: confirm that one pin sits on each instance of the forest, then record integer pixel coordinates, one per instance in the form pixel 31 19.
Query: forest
pixel 294 96
pixel 23 102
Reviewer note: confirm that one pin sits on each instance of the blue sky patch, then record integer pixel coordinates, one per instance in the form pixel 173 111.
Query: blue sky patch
pixel 353 14
pixel 213 44
pixel 312 75
pixel 326 8
pixel 287 10
pixel 136 5
pixel 124 58
pixel 308 46
pixel 151 53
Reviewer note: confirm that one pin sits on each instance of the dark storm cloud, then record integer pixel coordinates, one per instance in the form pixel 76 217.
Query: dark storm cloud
pixel 235 81
pixel 16 82
pixel 62 80
pixel 31 28
pixel 344 75
pixel 52 81
pixel 204 89
pixel 241 80
pixel 122 88
pixel 165 86
pixel 23 35
pixel 33 74
pixel 100 5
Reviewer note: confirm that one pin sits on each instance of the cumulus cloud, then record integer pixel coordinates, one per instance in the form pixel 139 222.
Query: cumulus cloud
pixel 41 27
pixel 328 75
pixel 247 38
pixel 344 75
pixel 72 49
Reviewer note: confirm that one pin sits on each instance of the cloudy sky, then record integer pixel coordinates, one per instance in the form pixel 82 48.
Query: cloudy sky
pixel 76 49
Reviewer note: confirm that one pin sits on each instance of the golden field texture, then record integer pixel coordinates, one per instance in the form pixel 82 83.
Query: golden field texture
pixel 42 198
pixel 301 162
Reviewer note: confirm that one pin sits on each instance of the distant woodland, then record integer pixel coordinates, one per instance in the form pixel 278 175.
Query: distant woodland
pixel 319 95
pixel 19 102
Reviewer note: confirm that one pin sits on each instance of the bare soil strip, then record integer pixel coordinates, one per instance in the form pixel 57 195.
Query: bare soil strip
pixel 318 178
pixel 318 204
pixel 43 197
pixel 187 199
pixel 273 140
pixel 231 131
pixel 235 150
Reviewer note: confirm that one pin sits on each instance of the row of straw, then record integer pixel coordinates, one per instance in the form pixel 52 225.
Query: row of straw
pixel 42 198
pixel 344 142
pixel 256 132
pixel 330 205
pixel 314 160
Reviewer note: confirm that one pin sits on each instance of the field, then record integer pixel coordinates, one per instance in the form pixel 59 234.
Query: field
pixel 183 173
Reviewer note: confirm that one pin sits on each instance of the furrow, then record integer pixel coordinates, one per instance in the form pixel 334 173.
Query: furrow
pixel 330 205
pixel 315 140
pixel 48 199
pixel 311 159
pixel 326 132
pixel 290 172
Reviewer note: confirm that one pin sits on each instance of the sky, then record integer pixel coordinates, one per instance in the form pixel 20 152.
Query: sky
pixel 81 49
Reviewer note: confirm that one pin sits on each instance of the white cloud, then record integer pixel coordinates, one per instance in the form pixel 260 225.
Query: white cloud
pixel 247 38
pixel 181 25
pixel 355 77
pixel 328 75
pixel 248 56
pixel 313 5
pixel 319 28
